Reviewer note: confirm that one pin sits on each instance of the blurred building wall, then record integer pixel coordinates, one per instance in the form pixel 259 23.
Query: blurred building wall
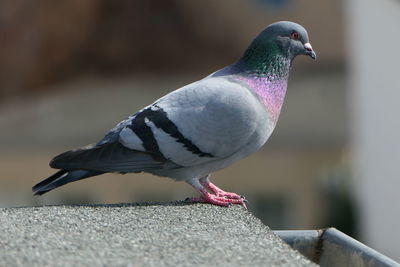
pixel 45 42
pixel 373 40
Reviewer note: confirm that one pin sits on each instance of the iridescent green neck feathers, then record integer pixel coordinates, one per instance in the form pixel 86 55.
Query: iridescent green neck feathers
pixel 266 58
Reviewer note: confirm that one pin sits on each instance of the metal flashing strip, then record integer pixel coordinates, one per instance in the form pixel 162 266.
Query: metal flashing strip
pixel 330 247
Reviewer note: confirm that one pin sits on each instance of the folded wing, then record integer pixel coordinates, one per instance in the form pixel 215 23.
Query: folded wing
pixel 109 157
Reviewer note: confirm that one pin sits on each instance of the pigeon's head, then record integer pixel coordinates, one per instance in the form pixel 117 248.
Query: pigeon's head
pixel 280 41
pixel 290 38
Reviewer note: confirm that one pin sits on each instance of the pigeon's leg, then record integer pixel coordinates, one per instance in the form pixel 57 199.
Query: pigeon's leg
pixel 216 190
pixel 207 197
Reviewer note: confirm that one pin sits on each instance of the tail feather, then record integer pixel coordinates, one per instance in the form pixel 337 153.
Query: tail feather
pixel 60 178
pixel 90 161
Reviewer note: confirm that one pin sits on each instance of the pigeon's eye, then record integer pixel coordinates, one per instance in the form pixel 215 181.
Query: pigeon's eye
pixel 294 35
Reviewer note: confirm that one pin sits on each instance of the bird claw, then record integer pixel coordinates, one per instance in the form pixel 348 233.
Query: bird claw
pixel 207 197
pixel 212 194
pixel 228 195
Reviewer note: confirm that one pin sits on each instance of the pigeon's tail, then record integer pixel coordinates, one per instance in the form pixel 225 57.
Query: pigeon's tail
pixel 60 178
pixel 90 161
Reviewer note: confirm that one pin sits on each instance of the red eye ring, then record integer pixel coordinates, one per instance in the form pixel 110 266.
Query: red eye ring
pixel 294 35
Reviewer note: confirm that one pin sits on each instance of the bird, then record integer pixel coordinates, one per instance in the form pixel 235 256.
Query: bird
pixel 199 128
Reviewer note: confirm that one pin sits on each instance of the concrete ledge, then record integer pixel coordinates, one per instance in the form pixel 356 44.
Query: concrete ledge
pixel 140 234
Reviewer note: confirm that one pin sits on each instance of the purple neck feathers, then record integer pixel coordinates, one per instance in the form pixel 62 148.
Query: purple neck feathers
pixel 271 90
pixel 268 82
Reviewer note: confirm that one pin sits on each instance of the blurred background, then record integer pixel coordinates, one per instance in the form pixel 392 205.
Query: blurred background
pixel 70 70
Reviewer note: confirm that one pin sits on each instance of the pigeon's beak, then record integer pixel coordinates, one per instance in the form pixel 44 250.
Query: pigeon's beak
pixel 309 51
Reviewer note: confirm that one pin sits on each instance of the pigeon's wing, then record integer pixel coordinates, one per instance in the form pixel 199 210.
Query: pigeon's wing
pixel 109 157
pixel 207 120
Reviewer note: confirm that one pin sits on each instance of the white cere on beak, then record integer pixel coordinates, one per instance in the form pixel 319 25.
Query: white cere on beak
pixel 308 46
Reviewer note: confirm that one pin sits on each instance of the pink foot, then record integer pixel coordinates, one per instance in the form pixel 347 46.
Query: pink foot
pixel 218 191
pixel 223 201
pixel 212 194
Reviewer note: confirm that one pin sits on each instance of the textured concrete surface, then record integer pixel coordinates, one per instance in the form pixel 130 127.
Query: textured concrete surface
pixel 146 234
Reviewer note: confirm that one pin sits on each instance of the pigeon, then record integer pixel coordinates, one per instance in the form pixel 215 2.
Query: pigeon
pixel 199 128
